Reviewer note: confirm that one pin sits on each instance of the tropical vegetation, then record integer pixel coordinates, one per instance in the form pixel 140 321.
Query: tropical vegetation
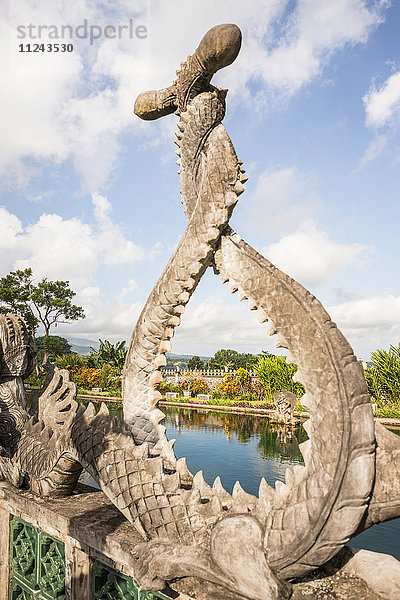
pixel 383 378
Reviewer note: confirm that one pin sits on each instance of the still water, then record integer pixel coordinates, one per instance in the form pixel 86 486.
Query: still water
pixel 246 448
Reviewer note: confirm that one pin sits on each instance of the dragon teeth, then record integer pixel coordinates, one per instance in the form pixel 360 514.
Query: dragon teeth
pixel 265 491
pixel 221 492
pixel 160 360
pixel 216 505
pixel 281 342
pixel 104 410
pixel 298 473
pixel 290 359
pixel 200 484
pixel 262 315
pixel 242 295
pixel 308 427
pixel 252 304
pixel 239 188
pixel 182 469
pixel 305 449
pixel 231 199
pixel 280 487
pixel 174 321
pixel 90 410
pixel 157 415
pixel 290 478
pixel 155 378
pixel 247 501
pixel 165 346
pixel 184 297
pixel 297 377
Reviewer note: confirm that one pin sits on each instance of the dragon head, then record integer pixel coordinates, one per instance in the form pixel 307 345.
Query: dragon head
pixel 218 48
pixel 17 347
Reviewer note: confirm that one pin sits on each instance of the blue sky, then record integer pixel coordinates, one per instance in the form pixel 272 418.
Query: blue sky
pixel 91 194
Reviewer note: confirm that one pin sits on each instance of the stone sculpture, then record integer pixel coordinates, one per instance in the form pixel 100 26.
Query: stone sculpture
pixel 243 546
pixel 285 403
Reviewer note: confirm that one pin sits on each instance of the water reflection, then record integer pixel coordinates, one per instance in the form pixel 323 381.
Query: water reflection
pixel 246 448
pixel 234 446
pixel 273 440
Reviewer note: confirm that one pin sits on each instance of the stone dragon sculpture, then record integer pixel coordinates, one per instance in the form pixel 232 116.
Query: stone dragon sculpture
pixel 252 546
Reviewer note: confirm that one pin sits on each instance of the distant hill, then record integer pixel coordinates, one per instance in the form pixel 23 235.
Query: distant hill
pixel 82 345
pixel 183 359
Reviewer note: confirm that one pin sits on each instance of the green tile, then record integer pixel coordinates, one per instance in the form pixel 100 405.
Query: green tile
pixel 108 584
pixel 144 595
pixel 24 547
pixel 51 569
pixel 19 592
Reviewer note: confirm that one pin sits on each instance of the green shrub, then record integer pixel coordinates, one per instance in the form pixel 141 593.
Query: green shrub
pixel 169 387
pixel 275 375
pixel 198 386
pixel 228 387
pixel 383 377
pixel 70 360
pixel 111 354
pixel 391 411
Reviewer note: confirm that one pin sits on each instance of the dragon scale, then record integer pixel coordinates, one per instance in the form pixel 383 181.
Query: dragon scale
pixel 253 545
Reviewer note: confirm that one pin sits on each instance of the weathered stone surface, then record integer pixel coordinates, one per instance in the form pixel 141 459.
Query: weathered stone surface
pixel 381 572
pixel 336 587
pixel 4 552
pixel 181 527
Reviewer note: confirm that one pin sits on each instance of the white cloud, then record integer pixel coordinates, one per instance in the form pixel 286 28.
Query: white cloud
pixel 114 321
pixel 61 106
pixel 281 200
pixel 311 257
pixel 116 248
pixel 131 287
pixel 79 106
pixel 368 313
pixel 69 249
pixel 382 105
pixel 369 323
pixel 215 323
pixel 10 230
pixel 308 35
pixel 373 150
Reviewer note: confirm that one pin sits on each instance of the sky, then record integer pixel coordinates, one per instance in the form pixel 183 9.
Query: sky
pixel 90 193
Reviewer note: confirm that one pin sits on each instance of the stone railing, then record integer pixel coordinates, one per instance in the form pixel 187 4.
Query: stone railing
pixel 75 548
pixel 211 376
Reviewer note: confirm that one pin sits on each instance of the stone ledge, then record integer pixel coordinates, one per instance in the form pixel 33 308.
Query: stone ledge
pixel 88 517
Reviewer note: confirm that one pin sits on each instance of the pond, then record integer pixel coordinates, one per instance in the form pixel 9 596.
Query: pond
pixel 246 448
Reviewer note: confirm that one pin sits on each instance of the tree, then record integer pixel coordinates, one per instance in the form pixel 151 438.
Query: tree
pixel 54 345
pixel 46 302
pixel 232 360
pixel 195 363
pixel 276 374
pixel 113 355
pixel 383 375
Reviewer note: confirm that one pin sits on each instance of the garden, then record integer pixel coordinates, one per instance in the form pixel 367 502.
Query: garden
pixel 240 387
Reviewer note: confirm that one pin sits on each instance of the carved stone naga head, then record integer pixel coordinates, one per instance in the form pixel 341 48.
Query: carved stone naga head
pixel 17 347
pixel 217 49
